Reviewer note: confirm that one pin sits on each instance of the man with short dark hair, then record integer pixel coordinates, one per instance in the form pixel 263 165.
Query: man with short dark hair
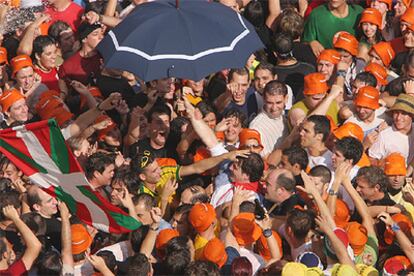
pixel 349 150
pixel 294 159
pixel 314 132
pixel 139 265
pixel 270 123
pixel 99 170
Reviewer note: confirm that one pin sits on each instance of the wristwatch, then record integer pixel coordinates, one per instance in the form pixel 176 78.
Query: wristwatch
pixel 341 73
pixel 267 233
pixel 395 227
pixel 332 192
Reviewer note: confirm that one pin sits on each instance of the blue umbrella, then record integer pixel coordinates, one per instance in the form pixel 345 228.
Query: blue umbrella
pixel 188 40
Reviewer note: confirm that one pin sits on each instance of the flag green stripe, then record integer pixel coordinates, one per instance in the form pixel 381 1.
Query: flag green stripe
pixel 22 156
pixel 67 198
pixel 59 152
pixel 125 221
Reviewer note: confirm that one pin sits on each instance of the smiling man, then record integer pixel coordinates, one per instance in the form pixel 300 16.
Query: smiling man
pixel 271 123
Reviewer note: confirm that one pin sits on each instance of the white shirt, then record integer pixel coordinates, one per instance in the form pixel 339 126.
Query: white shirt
pixel 121 250
pixel 380 116
pixel 325 159
pixel 272 131
pixel 390 140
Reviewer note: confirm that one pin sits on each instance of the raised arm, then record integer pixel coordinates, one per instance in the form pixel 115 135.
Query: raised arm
pixel 66 235
pixel 26 43
pixel 33 245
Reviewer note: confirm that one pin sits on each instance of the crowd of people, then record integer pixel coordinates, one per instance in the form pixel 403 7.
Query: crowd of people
pixel 299 163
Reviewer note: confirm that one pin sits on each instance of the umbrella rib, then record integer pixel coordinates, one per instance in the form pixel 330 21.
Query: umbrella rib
pixel 183 57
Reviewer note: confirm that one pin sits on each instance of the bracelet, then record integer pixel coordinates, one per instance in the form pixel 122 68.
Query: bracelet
pixel 100 18
pixel 154 229
pixel 395 227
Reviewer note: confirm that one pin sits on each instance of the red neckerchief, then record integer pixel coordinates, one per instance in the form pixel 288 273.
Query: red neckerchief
pixel 251 186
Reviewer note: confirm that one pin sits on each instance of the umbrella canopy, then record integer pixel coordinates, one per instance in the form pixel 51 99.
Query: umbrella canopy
pixel 190 41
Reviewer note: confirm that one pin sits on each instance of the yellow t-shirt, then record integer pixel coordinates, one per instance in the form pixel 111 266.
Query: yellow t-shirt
pixel 333 110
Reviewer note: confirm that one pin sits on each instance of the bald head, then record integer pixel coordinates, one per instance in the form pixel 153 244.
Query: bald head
pixel 283 178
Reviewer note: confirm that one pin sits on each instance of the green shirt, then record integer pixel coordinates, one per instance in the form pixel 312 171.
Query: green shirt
pixel 370 254
pixel 322 25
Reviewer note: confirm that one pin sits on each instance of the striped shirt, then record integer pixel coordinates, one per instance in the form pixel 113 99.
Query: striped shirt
pixel 272 131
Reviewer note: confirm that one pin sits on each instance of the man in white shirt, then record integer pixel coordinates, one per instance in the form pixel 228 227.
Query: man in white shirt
pixel 314 132
pixel 270 123
pixel 399 137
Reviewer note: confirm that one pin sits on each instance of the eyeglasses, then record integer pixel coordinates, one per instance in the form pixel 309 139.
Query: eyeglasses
pixel 145 158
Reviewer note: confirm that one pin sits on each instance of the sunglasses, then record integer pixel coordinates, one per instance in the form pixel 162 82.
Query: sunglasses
pixel 254 146
pixel 145 159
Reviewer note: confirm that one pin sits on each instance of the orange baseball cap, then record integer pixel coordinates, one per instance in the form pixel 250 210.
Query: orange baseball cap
pixel 388 2
pixel 384 51
pixel 342 215
pixel 247 134
pixel 403 222
pixel 349 129
pixel 315 83
pixel 379 71
pixel 202 216
pixel 357 235
pixel 164 236
pixel 81 239
pixel 368 97
pixel 330 55
pixel 3 55
pixel 395 264
pixel 395 164
pixel 9 97
pixel 372 16
pixel 245 229
pixel 62 116
pixel 19 62
pixel 263 248
pixel 408 17
pixel 215 252
pixel 346 41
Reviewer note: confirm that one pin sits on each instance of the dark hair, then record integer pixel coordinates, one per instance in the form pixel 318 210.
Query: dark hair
pixel 205 108
pixel 9 198
pixel 5 184
pixel 241 266
pixel 148 201
pixel 128 178
pixel 109 259
pixel 297 155
pixel 321 125
pixel 158 109
pixel 351 148
pixel 140 161
pixel 408 61
pixel 300 222
pixel 40 43
pixel 239 71
pixel 289 22
pixel 138 265
pixel 137 236
pixel 265 66
pixel 247 207
pixel 323 172
pixel 254 13
pixel 35 222
pixel 234 112
pixel 97 162
pixel 282 45
pixel 374 176
pixel 275 87
pixel 96 6
pixel 177 255
pixel 183 209
pixel 366 77
pixel 360 36
pixel 57 28
pixel 253 166
pixel 50 263
pixel 396 86
pixel 202 268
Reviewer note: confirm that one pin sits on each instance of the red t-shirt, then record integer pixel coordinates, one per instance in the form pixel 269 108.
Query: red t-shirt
pixel 50 79
pixel 79 68
pixel 71 15
pixel 16 269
